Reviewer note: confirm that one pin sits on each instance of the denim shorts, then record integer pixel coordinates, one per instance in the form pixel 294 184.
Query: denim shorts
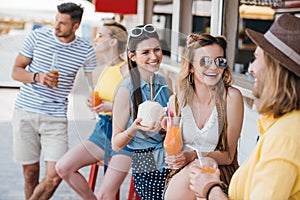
pixel 101 136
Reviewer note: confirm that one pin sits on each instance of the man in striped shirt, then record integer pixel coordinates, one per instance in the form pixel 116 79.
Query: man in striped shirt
pixel 40 115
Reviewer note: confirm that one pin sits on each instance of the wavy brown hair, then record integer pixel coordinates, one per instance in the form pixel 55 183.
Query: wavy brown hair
pixel 218 92
pixel 186 89
pixel 283 92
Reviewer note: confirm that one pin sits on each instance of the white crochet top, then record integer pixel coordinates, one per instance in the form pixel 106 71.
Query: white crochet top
pixel 207 137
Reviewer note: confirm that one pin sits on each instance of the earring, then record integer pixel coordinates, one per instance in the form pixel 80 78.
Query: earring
pixel 191 78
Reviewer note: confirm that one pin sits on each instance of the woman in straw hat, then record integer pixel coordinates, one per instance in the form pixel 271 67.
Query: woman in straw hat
pixel 272 170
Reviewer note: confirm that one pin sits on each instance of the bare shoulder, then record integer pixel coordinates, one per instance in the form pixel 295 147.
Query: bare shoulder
pixel 234 93
pixel 234 98
pixel 124 70
pixel 122 93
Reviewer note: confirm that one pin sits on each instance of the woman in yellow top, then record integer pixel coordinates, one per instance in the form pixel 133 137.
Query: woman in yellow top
pixel 272 171
pixel 110 43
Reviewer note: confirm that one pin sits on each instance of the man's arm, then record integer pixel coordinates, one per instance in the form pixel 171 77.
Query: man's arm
pixel 19 73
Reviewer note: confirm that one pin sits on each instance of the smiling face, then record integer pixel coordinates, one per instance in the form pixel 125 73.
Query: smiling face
pixel 211 75
pixel 148 55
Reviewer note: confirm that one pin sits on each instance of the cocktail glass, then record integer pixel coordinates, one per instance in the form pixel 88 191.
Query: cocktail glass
pixel 96 98
pixel 208 165
pixel 173 141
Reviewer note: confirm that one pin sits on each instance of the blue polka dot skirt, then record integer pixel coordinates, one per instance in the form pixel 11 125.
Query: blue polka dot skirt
pixel 148 181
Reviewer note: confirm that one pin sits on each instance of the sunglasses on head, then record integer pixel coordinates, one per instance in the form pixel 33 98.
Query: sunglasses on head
pixel 138 31
pixel 206 62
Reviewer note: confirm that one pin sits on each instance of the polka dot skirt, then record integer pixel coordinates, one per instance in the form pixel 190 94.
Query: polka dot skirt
pixel 148 181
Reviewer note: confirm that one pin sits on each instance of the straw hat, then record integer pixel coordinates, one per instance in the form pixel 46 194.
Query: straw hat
pixel 281 41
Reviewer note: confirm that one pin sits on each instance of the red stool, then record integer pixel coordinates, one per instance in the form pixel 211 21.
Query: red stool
pixel 132 195
pixel 93 177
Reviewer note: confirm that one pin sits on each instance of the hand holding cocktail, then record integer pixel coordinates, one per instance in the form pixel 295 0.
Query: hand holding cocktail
pixel 204 170
pixel 94 99
pixel 173 141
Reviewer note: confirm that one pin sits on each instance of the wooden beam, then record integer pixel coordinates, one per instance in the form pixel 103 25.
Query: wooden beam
pixel 230 29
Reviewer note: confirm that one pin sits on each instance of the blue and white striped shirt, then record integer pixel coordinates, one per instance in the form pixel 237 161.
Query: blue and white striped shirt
pixel 40 46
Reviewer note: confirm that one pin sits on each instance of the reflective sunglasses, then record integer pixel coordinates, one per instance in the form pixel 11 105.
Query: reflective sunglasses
pixel 206 62
pixel 138 31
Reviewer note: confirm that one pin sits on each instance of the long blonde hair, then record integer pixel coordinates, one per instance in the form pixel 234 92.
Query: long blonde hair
pixel 186 85
pixel 283 92
pixel 186 90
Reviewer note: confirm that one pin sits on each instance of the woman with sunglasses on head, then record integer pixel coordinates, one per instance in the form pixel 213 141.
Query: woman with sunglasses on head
pixel 110 44
pixel 144 58
pixel 211 111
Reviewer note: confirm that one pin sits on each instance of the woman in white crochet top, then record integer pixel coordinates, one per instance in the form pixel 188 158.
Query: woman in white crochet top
pixel 211 110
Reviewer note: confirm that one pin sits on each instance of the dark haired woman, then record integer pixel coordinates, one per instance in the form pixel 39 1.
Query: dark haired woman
pixel 144 58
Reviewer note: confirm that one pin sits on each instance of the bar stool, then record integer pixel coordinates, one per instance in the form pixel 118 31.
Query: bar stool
pixel 132 195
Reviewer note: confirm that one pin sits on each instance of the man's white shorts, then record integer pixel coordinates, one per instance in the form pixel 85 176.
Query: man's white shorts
pixel 36 132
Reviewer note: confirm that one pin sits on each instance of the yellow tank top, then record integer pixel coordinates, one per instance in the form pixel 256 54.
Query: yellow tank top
pixel 108 82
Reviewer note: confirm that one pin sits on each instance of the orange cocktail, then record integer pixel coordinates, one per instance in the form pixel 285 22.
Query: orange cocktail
pixel 95 98
pixel 208 169
pixel 173 140
pixel 207 165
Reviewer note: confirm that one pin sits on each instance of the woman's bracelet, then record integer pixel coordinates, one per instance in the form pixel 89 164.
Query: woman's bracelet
pixel 127 134
pixel 209 186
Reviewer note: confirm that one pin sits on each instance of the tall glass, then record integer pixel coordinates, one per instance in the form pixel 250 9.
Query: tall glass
pixel 208 165
pixel 173 141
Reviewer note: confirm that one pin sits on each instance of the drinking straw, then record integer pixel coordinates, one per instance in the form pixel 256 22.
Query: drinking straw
pixel 159 91
pixel 88 84
pixel 197 151
pixel 168 110
pixel 151 88
pixel 176 106
pixel 169 113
